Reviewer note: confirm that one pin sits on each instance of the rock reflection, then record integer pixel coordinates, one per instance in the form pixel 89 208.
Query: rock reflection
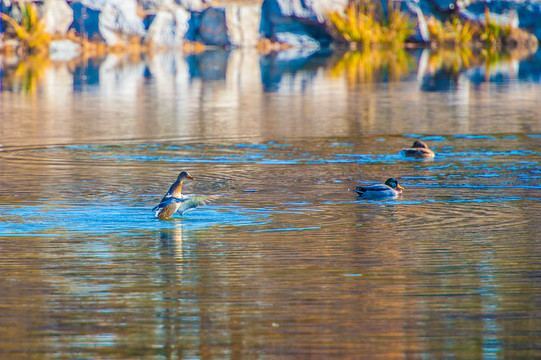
pixel 241 93
pixel 124 73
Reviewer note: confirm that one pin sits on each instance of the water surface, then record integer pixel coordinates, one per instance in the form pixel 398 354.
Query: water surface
pixel 284 261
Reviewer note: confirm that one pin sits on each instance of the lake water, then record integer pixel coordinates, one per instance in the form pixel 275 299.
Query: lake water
pixel 284 262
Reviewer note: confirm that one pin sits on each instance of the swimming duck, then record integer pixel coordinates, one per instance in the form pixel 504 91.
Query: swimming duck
pixel 390 189
pixel 173 200
pixel 419 150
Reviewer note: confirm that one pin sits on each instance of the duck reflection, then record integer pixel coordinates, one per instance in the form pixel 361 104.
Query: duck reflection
pixel 171 245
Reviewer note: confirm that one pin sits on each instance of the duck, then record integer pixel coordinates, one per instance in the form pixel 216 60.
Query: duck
pixel 389 190
pixel 174 200
pixel 419 150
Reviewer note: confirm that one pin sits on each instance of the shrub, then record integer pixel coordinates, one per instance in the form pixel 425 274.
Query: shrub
pixel 452 33
pixel 363 24
pixel 31 30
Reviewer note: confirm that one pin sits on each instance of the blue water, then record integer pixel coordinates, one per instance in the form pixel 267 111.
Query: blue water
pixel 284 261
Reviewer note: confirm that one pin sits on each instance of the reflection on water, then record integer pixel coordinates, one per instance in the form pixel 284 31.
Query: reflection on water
pixel 25 76
pixel 374 65
pixel 226 94
pixel 268 71
pixel 284 262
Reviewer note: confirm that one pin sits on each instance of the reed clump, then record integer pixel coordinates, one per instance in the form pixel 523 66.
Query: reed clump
pixel 452 33
pixel 364 24
pixel 30 30
pixel 489 34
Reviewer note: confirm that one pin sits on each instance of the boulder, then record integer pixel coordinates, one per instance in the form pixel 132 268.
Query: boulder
pixel 86 21
pixel 210 27
pixel 169 27
pixel 194 5
pixel 57 16
pixel 242 23
pixel 298 22
pixel 117 20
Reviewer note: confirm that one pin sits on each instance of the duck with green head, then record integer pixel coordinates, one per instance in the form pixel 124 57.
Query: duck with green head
pixel 389 190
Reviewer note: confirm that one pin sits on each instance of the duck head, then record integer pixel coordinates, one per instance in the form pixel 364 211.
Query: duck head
pixel 419 144
pixel 393 184
pixel 184 175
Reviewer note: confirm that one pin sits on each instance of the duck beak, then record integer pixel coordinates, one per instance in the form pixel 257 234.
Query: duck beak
pixel 400 187
pixel 190 177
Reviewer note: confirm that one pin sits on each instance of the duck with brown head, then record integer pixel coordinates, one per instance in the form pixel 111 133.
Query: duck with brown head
pixel 172 201
pixel 419 150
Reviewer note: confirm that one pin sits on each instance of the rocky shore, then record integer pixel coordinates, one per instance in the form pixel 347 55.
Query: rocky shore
pixel 267 24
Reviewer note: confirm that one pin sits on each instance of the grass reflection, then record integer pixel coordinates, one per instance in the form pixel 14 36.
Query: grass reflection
pixel 458 59
pixel 25 76
pixel 453 60
pixel 371 65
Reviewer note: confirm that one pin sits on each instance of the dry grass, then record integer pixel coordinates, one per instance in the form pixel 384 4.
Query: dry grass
pixel 363 24
pixel 31 30
pixel 487 35
pixel 452 33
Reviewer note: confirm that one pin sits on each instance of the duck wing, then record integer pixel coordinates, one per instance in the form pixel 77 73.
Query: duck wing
pixel 193 201
pixel 166 200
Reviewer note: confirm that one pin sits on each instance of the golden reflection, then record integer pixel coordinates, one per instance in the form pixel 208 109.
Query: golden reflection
pixel 458 59
pixel 453 60
pixel 26 76
pixel 371 65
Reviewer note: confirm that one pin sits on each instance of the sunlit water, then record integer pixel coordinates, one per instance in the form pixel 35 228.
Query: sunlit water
pixel 284 261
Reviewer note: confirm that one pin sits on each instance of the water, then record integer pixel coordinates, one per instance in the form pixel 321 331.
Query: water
pixel 284 261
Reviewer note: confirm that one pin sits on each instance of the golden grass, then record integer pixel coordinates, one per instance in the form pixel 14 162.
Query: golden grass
pixel 363 24
pixel 489 35
pixel 452 33
pixel 31 30
pixel 492 34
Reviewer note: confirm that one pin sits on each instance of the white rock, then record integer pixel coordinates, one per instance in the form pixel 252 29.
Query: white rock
pixel 243 24
pixel 169 27
pixel 57 16
pixel 118 19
